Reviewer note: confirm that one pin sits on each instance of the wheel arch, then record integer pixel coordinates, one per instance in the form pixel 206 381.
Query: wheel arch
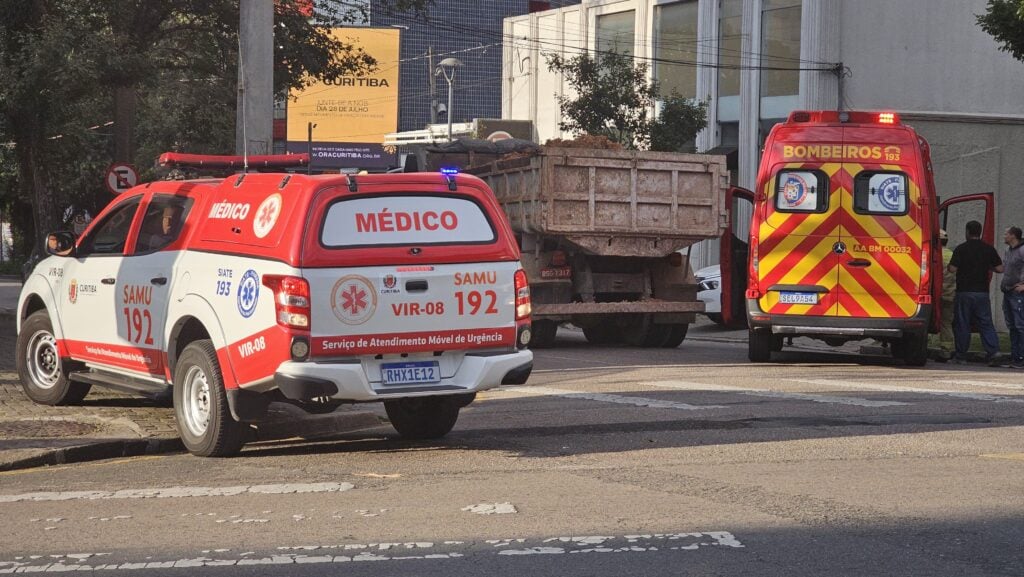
pixel 36 295
pixel 195 320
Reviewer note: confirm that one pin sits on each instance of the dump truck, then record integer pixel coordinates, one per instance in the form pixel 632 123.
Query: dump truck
pixel 600 233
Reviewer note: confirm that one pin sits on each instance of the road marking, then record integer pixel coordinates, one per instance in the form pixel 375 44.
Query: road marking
pixel 178 492
pixel 1009 456
pixel 988 384
pixel 901 389
pixel 689 386
pixel 618 399
pixel 354 553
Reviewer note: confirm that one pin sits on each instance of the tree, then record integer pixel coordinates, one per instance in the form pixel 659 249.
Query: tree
pixel 1004 21
pixel 613 98
pixel 77 76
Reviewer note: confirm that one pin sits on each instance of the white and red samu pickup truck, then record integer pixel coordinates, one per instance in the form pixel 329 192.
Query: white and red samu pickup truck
pixel 227 294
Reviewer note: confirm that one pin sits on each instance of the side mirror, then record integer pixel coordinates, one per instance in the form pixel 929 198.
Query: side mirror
pixel 60 243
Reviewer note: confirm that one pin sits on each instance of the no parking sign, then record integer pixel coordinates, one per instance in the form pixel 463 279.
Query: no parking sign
pixel 121 177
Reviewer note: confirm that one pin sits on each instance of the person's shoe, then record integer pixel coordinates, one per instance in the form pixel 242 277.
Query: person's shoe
pixel 993 361
pixel 957 361
pixel 1018 364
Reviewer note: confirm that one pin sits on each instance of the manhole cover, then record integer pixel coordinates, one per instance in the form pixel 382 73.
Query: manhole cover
pixel 37 429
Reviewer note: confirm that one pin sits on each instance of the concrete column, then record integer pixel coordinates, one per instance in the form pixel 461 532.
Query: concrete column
pixel 254 119
pixel 819 42
pixel 750 94
pixel 707 74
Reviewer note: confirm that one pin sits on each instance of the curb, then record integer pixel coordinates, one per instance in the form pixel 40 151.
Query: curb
pixel 95 451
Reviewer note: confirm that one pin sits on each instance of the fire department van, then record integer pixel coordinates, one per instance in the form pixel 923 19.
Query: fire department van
pixel 843 241
pixel 227 294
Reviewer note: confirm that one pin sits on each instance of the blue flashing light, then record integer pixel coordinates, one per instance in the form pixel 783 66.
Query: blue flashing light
pixel 449 171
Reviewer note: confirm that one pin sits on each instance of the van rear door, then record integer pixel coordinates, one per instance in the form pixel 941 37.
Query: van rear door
pixel 884 206
pixel 798 226
pixel 409 272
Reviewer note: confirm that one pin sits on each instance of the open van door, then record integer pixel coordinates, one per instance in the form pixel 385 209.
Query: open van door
pixel 735 251
pixel 953 217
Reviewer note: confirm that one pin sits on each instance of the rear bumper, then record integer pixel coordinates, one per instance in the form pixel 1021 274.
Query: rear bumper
pixel 841 327
pixel 350 382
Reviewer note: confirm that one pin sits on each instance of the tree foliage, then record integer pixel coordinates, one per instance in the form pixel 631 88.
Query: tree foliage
pixel 1004 21
pixel 613 98
pixel 83 82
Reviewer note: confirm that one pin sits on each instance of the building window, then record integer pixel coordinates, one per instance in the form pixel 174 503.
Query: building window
pixel 730 46
pixel 675 48
pixel 780 57
pixel 615 32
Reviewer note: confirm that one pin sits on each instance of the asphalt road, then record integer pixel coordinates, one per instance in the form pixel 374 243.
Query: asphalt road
pixel 612 461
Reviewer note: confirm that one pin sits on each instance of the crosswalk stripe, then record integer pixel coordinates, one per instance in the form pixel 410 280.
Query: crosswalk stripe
pixel 902 389
pixel 618 399
pixel 690 386
pixel 988 384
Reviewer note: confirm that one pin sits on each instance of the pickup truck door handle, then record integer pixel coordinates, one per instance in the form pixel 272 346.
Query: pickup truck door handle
pixel 160 280
pixel 109 281
pixel 416 286
pixel 859 262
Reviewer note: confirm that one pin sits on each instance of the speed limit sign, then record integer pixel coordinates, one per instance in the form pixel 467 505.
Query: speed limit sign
pixel 121 177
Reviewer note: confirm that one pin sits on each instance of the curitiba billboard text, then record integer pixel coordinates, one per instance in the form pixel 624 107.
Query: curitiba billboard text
pixel 352 114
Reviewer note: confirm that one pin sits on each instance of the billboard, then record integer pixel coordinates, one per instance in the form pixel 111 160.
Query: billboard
pixel 350 115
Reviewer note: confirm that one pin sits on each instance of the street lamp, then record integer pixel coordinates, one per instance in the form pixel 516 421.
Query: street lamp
pixel 447 68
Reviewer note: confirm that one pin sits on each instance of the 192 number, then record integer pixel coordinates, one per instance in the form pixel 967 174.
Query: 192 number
pixel 474 301
pixel 141 321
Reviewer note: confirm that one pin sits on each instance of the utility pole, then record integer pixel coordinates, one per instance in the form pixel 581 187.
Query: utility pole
pixel 254 118
pixel 431 73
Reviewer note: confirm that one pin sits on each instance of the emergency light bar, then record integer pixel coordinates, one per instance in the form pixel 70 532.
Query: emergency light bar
pixel 846 116
pixel 177 159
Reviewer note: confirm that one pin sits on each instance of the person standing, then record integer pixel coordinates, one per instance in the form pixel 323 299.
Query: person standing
pixel 946 343
pixel 972 262
pixel 1012 286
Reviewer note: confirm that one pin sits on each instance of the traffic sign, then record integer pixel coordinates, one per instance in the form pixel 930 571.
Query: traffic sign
pixel 121 177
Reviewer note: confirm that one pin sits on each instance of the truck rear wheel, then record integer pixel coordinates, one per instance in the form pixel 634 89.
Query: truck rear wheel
pixel 599 334
pixel 40 369
pixel 759 346
pixel 201 406
pixel 422 417
pixel 677 333
pixel 542 334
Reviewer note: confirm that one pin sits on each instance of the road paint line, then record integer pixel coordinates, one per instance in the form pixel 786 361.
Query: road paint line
pixel 180 492
pixel 690 386
pixel 902 389
pixel 617 368
pixel 421 551
pixel 1008 456
pixel 617 399
pixel 988 384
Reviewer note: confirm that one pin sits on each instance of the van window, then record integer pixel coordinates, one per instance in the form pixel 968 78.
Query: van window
pixel 405 220
pixel 801 191
pixel 880 193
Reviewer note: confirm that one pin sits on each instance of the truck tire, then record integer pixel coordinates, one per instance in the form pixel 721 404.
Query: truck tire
pixel 542 334
pixel 422 417
pixel 43 376
pixel 676 335
pixel 201 406
pixel 915 349
pixel 759 346
pixel 656 336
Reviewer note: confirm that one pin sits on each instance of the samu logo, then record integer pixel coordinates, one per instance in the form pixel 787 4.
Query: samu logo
pixel 890 193
pixel 248 293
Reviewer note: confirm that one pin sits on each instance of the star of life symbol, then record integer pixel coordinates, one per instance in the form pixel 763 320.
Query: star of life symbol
pixel 890 193
pixel 266 215
pixel 353 300
pixel 248 293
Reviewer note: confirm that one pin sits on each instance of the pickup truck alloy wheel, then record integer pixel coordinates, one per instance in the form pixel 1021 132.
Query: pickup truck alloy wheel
pixel 200 404
pixel 39 364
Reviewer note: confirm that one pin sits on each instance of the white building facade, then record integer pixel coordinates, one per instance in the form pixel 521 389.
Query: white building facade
pixel 755 61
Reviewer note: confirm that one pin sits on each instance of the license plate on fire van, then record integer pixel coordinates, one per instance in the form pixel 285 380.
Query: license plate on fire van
pixel 413 373
pixel 798 298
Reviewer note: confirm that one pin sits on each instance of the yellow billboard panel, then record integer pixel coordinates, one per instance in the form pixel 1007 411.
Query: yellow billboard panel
pixel 352 114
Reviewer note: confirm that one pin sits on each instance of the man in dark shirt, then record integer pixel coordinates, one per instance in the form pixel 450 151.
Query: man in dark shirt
pixel 973 262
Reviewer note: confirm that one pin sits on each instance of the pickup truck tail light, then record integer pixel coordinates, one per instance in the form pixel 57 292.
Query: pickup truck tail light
pixel 291 300
pixel 523 307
